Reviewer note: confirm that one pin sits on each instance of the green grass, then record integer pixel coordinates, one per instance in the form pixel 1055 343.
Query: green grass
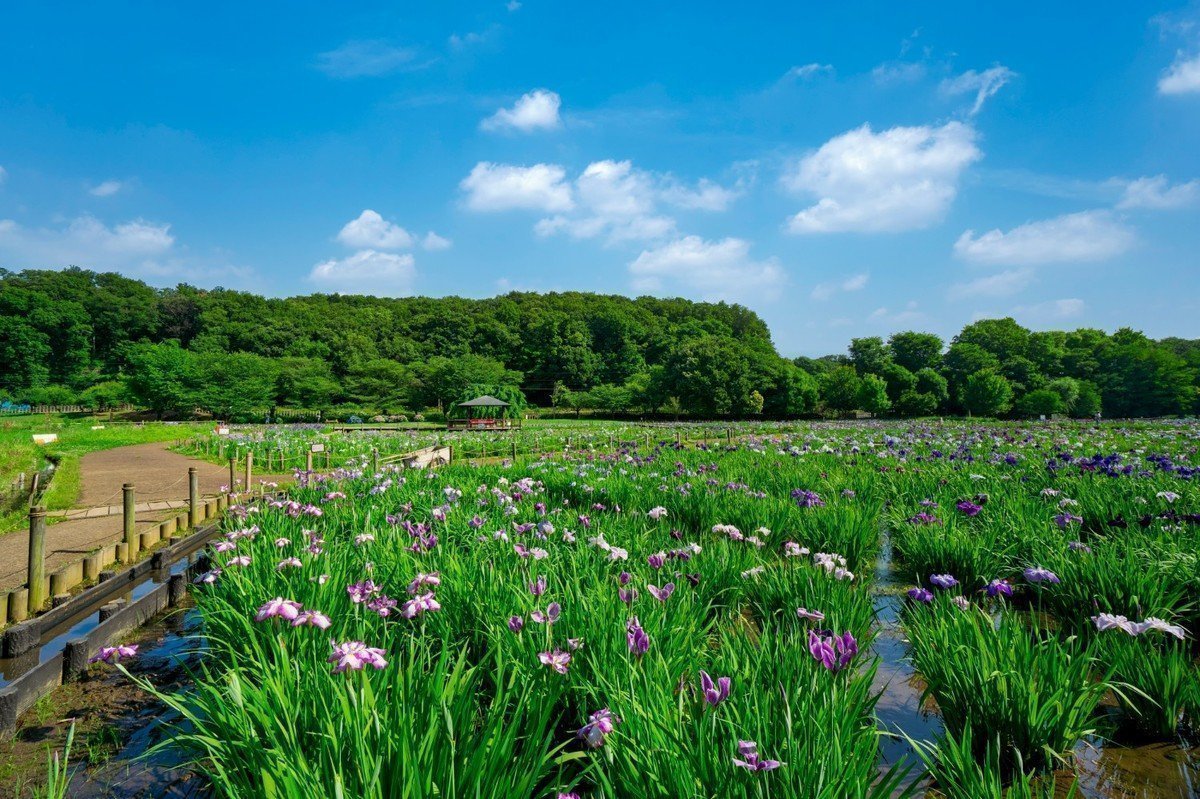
pixel 76 438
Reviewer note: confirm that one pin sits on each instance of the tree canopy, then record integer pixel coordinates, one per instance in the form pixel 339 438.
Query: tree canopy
pixel 80 336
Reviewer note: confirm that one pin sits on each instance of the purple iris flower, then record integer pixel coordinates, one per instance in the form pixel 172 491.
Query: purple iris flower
pixel 661 594
pixel 600 725
pixel 1037 574
pixel 923 595
pixel 997 587
pixel 515 623
pixel 834 652
pixel 969 508
pixel 942 580
pixel 657 560
pixel 627 595
pixel 714 693
pixel 549 617
pixel 635 636
pixel 538 586
pixel 750 759
pixel 810 615
pixel 1065 520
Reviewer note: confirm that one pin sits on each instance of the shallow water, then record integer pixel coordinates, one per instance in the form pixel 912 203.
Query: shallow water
pixel 131 773
pixel 1103 770
pixel 81 624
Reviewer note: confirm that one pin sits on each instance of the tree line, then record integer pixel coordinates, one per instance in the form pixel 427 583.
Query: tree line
pixel 76 336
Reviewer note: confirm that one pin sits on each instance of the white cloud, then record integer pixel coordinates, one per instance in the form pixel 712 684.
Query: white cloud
pixel 1083 236
pixel 1182 78
pixel 365 58
pixel 809 70
pixel 502 187
pixel 536 110
pixel 711 270
pixel 984 84
pixel 372 231
pixel 610 199
pixel 1001 284
pixel 706 196
pixel 106 189
pixel 823 291
pixel 909 314
pixel 895 72
pixel 512 5
pixel 899 179
pixel 1052 309
pixel 1157 193
pixel 134 246
pixel 367 272
pixel 433 241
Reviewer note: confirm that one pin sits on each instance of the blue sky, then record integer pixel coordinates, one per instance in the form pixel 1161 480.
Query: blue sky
pixel 843 169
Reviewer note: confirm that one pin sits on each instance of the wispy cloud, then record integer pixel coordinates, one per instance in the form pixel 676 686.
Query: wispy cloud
pixel 824 291
pixel 983 84
pixel 367 58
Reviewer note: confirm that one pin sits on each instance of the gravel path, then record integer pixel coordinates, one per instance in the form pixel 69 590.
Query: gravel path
pixel 157 474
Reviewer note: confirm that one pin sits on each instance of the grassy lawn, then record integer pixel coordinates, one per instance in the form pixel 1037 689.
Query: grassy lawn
pixel 76 438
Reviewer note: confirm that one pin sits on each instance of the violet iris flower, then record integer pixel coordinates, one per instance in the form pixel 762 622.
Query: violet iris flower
pixel 661 594
pixel 114 654
pixel 810 615
pixel 549 617
pixel 923 595
pixel 750 759
pixel 997 587
pixel 515 623
pixel 635 636
pixel 354 656
pixel 969 508
pixel 538 586
pixel 558 660
pixel 942 580
pixel 286 609
pixel 714 693
pixel 833 652
pixel 1037 574
pixel 600 724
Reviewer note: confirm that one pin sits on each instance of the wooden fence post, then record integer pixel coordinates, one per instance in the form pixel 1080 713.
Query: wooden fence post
pixel 193 497
pixel 132 542
pixel 233 474
pixel 374 460
pixel 249 470
pixel 308 460
pixel 37 558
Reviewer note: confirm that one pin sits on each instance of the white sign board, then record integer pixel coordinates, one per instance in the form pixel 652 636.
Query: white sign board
pixel 97 427
pixel 45 438
pixel 318 447
pixel 222 431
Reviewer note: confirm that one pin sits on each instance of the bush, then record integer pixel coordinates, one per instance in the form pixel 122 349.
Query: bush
pixel 915 403
pixel 1043 402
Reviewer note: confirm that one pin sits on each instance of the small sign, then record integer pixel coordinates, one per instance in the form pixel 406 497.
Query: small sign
pixel 45 438
pixel 97 427
pixel 318 447
pixel 222 431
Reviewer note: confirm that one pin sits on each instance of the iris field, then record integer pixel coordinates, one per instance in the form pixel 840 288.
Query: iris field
pixel 696 618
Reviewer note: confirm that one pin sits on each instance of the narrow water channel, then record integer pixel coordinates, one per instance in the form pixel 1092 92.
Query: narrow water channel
pixel 1103 770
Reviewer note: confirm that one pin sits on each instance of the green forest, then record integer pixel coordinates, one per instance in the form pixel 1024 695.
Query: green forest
pixel 99 340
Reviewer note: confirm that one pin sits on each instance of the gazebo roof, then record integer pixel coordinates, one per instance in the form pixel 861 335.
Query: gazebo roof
pixel 486 401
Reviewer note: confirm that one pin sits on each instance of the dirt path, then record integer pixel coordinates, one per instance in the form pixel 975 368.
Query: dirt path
pixel 157 474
